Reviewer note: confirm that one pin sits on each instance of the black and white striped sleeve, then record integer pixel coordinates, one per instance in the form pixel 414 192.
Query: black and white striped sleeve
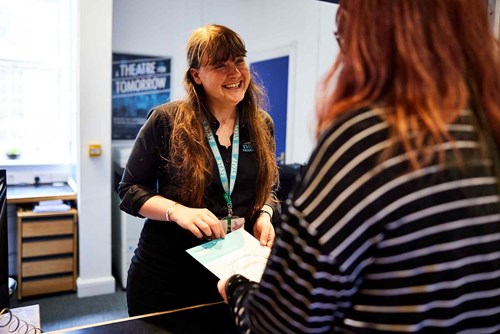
pixel 305 288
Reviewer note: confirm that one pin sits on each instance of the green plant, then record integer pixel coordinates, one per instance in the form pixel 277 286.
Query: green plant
pixel 13 152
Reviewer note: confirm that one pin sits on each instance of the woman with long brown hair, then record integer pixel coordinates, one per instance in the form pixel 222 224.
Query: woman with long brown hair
pixel 199 168
pixel 395 225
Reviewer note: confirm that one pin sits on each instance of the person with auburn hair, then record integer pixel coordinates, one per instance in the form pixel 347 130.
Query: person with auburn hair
pixel 395 224
pixel 199 168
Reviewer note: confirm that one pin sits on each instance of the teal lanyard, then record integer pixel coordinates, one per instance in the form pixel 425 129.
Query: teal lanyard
pixel 228 185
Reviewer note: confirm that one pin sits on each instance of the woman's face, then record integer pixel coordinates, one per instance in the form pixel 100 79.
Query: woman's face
pixel 225 83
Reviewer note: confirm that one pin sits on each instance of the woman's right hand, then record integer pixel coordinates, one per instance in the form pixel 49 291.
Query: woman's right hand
pixel 201 222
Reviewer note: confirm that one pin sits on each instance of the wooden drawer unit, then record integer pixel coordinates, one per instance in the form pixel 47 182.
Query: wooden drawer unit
pixel 48 247
pixel 47 252
pixel 48 285
pixel 47 227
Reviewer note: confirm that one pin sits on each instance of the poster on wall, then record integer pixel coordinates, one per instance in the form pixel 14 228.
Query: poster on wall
pixel 139 83
pixel 273 75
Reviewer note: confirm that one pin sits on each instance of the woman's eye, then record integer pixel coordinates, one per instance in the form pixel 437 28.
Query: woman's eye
pixel 221 65
pixel 240 61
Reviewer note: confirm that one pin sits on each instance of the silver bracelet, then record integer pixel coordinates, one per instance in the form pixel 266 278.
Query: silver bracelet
pixel 169 211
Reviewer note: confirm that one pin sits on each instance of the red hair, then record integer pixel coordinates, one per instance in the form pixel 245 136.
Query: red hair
pixel 423 60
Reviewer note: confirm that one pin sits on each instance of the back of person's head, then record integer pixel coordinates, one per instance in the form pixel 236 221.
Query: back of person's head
pixel 425 60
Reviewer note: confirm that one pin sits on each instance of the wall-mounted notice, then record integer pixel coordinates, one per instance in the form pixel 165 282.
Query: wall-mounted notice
pixel 139 83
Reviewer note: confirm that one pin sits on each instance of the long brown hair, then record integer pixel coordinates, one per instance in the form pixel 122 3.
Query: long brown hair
pixel 189 151
pixel 423 60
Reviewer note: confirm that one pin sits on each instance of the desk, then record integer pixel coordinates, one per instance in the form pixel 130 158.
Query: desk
pixel 199 319
pixel 35 193
pixel 25 319
pixel 46 241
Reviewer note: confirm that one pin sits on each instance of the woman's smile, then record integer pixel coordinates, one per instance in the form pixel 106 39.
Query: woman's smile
pixel 224 83
pixel 232 86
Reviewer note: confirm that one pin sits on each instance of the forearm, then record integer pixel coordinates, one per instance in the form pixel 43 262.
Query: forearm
pixel 267 209
pixel 272 204
pixel 199 221
pixel 237 289
pixel 156 208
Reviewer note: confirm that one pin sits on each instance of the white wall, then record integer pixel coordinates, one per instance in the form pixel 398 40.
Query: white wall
pixel 93 175
pixel 94 126
pixel 301 28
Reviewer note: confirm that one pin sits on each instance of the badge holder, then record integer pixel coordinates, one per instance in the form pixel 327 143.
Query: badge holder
pixel 231 223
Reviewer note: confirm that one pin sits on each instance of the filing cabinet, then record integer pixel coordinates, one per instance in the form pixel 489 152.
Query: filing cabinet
pixel 47 252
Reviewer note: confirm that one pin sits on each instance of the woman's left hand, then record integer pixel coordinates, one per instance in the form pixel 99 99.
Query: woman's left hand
pixel 221 286
pixel 263 230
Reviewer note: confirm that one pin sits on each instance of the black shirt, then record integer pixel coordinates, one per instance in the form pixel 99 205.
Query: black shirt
pixel 163 275
pixel 146 175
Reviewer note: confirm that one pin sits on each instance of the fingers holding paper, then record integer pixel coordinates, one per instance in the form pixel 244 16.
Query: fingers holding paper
pixel 263 230
pixel 201 222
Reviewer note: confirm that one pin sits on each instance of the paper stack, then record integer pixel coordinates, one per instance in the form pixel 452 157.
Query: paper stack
pixel 51 206
pixel 238 253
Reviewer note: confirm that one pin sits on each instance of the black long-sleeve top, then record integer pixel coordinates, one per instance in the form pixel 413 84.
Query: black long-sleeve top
pixel 146 175
pixel 162 245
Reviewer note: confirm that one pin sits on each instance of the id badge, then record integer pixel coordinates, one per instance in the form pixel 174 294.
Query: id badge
pixel 232 224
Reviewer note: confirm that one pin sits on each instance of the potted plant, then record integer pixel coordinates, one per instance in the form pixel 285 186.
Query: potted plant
pixel 13 153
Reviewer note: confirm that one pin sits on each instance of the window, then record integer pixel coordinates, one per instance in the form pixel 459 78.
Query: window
pixel 37 81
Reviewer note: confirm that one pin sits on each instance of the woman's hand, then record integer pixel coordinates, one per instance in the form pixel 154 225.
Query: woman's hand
pixel 263 230
pixel 221 286
pixel 200 222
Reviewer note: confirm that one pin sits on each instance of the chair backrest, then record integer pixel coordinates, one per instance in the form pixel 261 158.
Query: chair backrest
pixel 288 178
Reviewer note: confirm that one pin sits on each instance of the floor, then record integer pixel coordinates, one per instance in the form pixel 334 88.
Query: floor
pixel 65 310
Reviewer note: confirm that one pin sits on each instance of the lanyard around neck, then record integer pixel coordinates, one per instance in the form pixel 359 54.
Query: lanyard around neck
pixel 228 185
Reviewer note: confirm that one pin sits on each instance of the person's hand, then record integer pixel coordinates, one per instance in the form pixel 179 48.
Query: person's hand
pixel 221 286
pixel 263 230
pixel 201 222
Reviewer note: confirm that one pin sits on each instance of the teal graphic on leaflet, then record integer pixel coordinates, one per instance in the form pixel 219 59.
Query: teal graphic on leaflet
pixel 139 83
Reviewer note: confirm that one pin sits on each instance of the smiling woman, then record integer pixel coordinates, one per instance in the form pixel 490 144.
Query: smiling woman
pixel 187 175
pixel 224 82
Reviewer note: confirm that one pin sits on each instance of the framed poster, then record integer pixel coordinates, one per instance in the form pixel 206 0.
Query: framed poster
pixel 139 84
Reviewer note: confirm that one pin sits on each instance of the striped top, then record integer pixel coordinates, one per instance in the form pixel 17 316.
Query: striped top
pixel 374 246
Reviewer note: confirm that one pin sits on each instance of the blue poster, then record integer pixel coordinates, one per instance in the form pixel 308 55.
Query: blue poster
pixel 139 84
pixel 273 75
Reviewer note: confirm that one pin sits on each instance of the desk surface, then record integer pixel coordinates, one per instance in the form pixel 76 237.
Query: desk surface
pixel 42 192
pixel 29 315
pixel 199 319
